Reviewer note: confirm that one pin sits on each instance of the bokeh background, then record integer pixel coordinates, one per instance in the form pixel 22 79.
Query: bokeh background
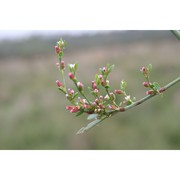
pixel 32 110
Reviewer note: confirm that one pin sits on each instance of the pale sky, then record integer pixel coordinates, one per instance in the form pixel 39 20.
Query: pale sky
pixel 16 34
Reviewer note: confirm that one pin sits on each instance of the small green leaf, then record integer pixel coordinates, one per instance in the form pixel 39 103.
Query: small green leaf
pixel 97 79
pixel 75 68
pixel 80 112
pixel 156 86
pixel 89 126
pixel 111 68
pixel 75 95
pixel 92 116
pixel 149 67
pixel 123 85
pixel 62 90
pixel 101 71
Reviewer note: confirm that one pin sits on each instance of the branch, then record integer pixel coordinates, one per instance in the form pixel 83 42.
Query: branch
pixel 176 33
pixel 122 109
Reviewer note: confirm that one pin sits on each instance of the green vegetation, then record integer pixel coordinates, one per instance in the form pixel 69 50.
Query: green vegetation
pixel 32 111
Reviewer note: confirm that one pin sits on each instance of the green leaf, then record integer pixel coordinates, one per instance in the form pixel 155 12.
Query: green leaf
pixel 62 90
pixel 97 79
pixel 75 68
pixel 149 67
pixel 123 85
pixel 92 116
pixel 101 71
pixel 75 95
pixel 156 86
pixel 111 68
pixel 80 112
pixel 89 126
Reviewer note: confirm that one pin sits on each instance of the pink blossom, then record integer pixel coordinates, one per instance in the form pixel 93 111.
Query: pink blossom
pixel 149 92
pixel 59 84
pixel 94 86
pixel 104 69
pixel 100 76
pixel 118 91
pixel 71 75
pixel 80 86
pixel 72 109
pixel 62 64
pixel 58 50
pixel 145 84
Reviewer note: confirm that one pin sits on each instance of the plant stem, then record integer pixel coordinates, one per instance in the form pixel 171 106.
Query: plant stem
pixel 64 81
pixel 176 33
pixel 82 93
pixel 152 95
pixel 122 109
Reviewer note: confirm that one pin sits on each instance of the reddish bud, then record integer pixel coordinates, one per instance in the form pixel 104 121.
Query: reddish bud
pixel 103 83
pixel 101 97
pixel 144 70
pixel 62 65
pixel 145 84
pixel 104 69
pixel 112 107
pixel 101 106
pixel 96 91
pixel 72 109
pixel 94 86
pixel 96 100
pixel 71 76
pixel 100 76
pixel 118 91
pixel 70 91
pixel 150 92
pixel 59 84
pixel 58 50
pixel 80 86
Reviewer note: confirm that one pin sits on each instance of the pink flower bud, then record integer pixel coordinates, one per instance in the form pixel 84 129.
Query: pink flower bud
pixel 150 92
pixel 144 70
pixel 71 76
pixel 145 84
pixel 112 107
pixel 101 106
pixel 101 97
pixel 70 91
pixel 80 86
pixel 96 91
pixel 62 65
pixel 94 86
pixel 59 84
pixel 96 100
pixel 58 50
pixel 100 76
pixel 118 91
pixel 104 69
pixel 72 109
pixel 103 83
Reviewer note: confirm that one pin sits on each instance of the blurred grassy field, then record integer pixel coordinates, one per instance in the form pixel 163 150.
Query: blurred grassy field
pixel 32 111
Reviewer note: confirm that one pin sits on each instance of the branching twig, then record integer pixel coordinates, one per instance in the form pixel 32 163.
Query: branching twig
pixel 122 109
pixel 176 33
pixel 104 106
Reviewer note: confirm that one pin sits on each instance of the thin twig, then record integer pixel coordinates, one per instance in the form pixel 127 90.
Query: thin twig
pixel 122 109
pixel 176 33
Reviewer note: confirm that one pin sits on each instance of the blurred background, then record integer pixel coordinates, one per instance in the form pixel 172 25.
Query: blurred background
pixel 32 110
